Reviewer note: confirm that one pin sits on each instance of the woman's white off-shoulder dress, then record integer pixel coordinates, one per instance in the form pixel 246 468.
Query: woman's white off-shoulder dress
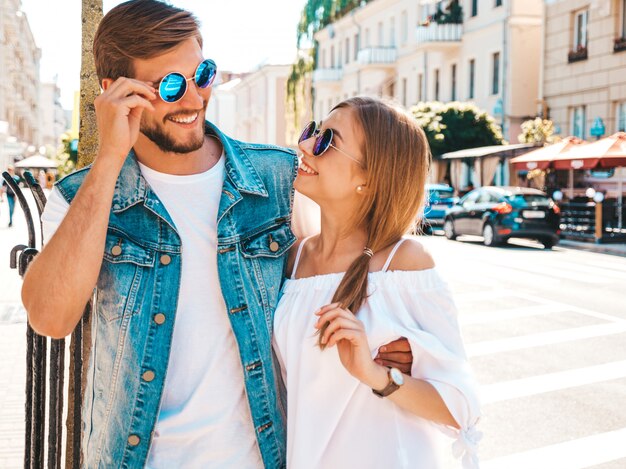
pixel 335 421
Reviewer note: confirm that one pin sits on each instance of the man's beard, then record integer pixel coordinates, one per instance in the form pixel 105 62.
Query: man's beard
pixel 167 143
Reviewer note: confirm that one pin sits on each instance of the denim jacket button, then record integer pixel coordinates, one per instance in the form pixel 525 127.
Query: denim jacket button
pixel 133 440
pixel 159 318
pixel 116 250
pixel 165 259
pixel 274 246
pixel 148 376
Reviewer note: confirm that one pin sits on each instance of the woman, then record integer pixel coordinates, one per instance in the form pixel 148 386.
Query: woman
pixel 366 166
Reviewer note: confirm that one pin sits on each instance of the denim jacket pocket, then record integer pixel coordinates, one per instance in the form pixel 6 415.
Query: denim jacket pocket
pixel 271 242
pixel 124 265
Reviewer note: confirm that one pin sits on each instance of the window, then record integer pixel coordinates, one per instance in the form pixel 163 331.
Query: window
pixel 472 74
pixel 621 117
pixel 381 35
pixel 367 37
pixel 404 97
pixel 347 49
pixel 578 120
pixel 437 84
pixel 405 27
pixel 498 3
pixel 495 74
pixel 453 84
pixel 356 46
pixel 339 58
pixel 623 20
pixel 474 7
pixel 332 56
pixel 323 59
pixel 392 32
pixel 420 87
pixel 580 30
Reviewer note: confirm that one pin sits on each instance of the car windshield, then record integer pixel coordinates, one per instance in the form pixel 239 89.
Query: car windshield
pixel 526 200
pixel 438 194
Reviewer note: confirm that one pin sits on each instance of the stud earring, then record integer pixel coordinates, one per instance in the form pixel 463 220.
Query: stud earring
pixel 359 189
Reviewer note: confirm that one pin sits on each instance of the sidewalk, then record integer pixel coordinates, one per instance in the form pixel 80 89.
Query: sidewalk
pixel 616 249
pixel 12 344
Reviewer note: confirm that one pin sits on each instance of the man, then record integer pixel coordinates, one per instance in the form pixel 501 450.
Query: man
pixel 194 227
pixel 10 195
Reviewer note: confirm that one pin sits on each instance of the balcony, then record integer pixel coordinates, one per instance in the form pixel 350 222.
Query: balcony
pixel 327 75
pixel 577 55
pixel 435 32
pixel 619 44
pixel 377 55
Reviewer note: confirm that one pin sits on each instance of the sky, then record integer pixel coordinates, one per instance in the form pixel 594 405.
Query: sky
pixel 238 34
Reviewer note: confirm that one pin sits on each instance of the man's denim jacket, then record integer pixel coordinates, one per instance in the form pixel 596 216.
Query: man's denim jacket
pixel 137 294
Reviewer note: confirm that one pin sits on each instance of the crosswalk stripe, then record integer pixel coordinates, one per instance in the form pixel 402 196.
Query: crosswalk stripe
pixel 575 454
pixel 552 382
pixel 510 313
pixel 489 347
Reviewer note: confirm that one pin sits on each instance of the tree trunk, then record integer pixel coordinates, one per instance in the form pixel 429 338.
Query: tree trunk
pixel 80 347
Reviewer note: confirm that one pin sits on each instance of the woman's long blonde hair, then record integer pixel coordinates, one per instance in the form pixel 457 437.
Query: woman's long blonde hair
pixel 396 157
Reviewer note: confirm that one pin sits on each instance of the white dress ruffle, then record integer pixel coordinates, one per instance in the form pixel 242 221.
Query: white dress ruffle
pixel 333 420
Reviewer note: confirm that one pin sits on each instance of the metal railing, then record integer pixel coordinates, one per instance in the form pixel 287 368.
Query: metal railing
pixel 435 32
pixel 44 354
pixel 377 55
pixel 595 222
pixel 327 74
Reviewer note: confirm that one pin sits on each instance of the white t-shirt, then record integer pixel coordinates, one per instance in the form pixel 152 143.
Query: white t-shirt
pixel 205 420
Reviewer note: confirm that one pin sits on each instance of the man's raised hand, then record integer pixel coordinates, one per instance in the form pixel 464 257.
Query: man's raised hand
pixel 118 111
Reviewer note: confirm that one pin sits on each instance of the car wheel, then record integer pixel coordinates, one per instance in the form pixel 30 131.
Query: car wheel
pixel 548 243
pixel 489 235
pixel 448 229
pixel 427 229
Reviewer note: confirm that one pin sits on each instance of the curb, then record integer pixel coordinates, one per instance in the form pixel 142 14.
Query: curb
pixel 611 249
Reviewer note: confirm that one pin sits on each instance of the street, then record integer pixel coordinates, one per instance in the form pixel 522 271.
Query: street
pixel 545 331
pixel 546 335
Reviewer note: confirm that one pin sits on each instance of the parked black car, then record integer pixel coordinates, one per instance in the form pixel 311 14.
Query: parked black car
pixel 500 213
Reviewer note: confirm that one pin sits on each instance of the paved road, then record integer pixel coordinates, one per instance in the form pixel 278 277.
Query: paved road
pixel 546 335
pixel 545 330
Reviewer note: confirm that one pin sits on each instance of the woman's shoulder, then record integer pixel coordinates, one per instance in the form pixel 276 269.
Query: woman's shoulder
pixel 411 256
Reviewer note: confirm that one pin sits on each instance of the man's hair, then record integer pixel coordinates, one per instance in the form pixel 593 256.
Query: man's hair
pixel 140 29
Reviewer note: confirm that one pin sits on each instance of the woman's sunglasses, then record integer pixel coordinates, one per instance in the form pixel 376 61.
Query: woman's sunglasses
pixel 323 141
pixel 173 86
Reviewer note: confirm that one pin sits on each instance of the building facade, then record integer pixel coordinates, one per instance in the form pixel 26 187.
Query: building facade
pixel 584 74
pixel 253 107
pixel 483 51
pixel 52 116
pixel 19 82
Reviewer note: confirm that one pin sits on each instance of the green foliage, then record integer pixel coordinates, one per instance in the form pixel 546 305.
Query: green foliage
pixel 537 130
pixel 316 15
pixel 456 126
pixel 67 157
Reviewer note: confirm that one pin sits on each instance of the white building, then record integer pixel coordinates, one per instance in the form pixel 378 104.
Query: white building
pixel 19 83
pixel 52 116
pixel 489 54
pixel 253 107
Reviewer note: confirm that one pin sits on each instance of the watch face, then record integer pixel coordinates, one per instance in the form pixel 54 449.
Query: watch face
pixel 396 376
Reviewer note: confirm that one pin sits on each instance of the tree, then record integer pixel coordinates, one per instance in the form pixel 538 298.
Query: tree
pixel 316 15
pixel 87 147
pixel 537 130
pixel 456 126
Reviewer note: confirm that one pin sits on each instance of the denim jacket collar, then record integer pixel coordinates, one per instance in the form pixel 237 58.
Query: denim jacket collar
pixel 131 188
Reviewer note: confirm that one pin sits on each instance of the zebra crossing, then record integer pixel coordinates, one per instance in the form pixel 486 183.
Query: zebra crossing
pixel 545 332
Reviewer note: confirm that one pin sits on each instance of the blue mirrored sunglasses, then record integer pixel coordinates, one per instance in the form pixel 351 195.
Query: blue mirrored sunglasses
pixel 173 86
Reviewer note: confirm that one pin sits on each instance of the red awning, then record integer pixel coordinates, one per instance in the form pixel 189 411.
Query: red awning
pixel 543 157
pixel 609 152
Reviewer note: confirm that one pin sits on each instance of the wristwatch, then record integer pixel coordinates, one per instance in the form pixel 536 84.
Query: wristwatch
pixel 396 379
